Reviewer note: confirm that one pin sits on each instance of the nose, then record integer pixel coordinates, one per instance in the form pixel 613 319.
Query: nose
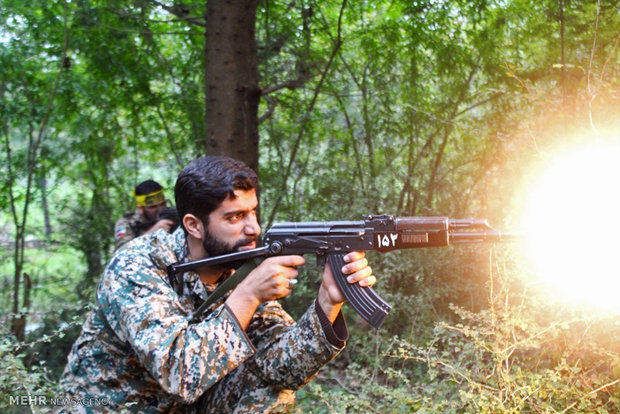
pixel 252 228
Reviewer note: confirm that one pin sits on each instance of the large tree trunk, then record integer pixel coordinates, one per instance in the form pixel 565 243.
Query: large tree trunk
pixel 232 90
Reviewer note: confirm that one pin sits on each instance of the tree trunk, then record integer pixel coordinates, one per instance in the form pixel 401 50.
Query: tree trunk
pixel 231 80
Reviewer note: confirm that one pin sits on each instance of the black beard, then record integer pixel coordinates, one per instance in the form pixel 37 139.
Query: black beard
pixel 216 247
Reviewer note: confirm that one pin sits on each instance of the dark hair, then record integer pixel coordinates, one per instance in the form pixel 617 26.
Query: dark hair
pixel 203 184
pixel 147 187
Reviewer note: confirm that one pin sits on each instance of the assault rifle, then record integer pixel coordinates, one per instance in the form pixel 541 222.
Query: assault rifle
pixel 332 240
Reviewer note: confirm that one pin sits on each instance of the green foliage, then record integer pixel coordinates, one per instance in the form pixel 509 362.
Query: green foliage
pixel 16 379
pixel 50 343
pixel 53 274
pixel 522 354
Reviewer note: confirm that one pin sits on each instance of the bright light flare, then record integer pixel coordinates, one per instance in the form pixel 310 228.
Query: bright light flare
pixel 573 223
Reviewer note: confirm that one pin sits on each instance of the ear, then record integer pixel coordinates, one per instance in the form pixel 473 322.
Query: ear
pixel 194 226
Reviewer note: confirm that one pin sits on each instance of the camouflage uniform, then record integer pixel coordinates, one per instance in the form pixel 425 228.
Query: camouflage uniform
pixel 124 229
pixel 139 351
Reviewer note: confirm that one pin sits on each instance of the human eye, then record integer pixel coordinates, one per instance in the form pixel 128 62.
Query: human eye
pixel 235 218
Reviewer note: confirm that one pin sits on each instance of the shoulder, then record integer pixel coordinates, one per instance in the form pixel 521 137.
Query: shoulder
pixel 127 218
pixel 137 273
pixel 159 247
pixel 150 252
pixel 130 216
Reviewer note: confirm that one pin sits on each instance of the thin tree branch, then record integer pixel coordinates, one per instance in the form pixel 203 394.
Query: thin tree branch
pixel 290 84
pixel 446 135
pixel 271 107
pixel 182 12
pixel 300 135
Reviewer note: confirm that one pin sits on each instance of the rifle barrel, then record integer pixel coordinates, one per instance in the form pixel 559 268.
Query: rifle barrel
pixel 483 237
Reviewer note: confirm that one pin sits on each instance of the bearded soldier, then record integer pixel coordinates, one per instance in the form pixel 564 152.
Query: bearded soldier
pixel 150 201
pixel 142 349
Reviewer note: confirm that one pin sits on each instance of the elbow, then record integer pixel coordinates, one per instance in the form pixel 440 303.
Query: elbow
pixel 175 378
pixel 186 392
pixel 186 380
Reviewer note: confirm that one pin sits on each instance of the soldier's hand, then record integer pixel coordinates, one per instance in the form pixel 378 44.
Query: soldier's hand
pixel 164 224
pixel 271 280
pixel 356 270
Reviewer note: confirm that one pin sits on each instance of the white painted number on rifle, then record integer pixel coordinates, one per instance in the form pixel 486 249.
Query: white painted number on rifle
pixel 385 241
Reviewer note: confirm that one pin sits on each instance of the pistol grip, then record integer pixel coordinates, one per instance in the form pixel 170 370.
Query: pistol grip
pixel 363 299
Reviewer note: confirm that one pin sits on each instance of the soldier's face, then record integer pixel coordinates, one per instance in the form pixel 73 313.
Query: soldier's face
pixel 233 226
pixel 151 212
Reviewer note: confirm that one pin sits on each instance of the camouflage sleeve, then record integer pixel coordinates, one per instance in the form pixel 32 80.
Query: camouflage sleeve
pixel 123 232
pixel 290 354
pixel 143 310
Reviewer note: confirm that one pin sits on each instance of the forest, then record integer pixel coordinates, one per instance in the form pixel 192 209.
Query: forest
pixel 345 108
